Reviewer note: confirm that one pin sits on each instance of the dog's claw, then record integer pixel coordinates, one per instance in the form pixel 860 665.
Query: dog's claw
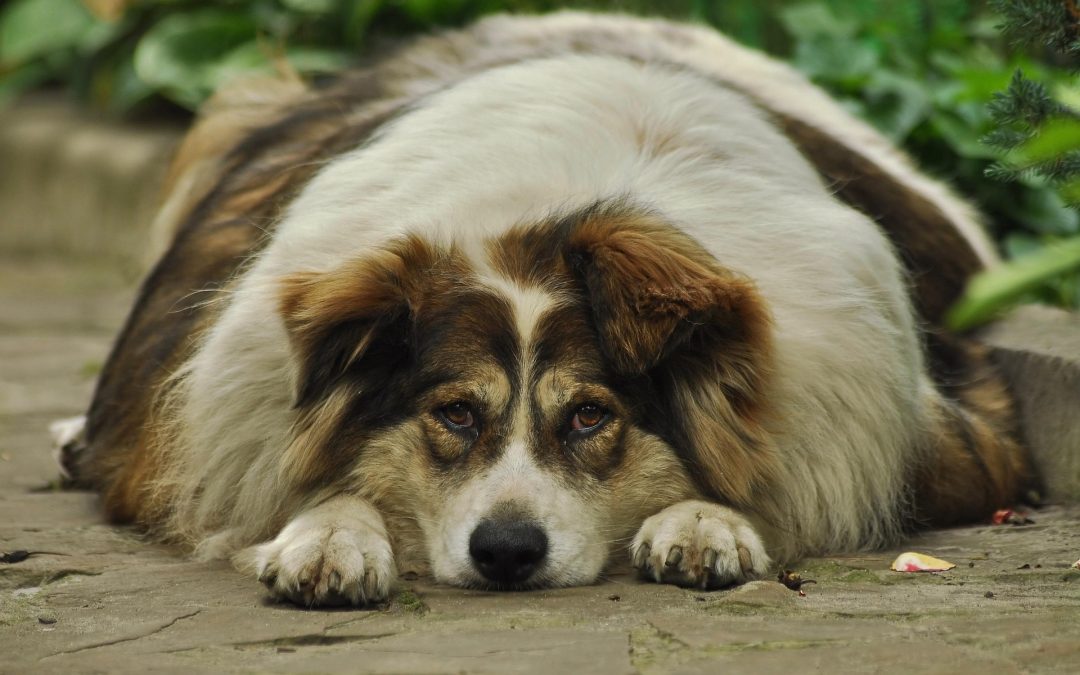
pixel 708 559
pixel 268 577
pixel 745 561
pixel 674 556
pixel 641 557
pixel 698 545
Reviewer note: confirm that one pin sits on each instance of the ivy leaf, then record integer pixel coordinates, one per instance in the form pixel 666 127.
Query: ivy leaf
pixel 186 55
pixel 990 292
pixel 897 104
pixel 33 28
pixel 812 20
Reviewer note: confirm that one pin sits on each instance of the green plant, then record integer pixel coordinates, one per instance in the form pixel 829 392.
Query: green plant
pixel 1039 137
pixel 922 71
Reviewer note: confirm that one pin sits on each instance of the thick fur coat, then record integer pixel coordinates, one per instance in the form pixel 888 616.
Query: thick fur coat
pixel 530 297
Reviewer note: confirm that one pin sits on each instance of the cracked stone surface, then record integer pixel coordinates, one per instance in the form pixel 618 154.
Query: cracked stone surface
pixel 98 599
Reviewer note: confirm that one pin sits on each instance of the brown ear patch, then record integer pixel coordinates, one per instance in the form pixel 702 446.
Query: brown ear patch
pixel 336 318
pixel 654 290
pixel 668 314
pixel 352 333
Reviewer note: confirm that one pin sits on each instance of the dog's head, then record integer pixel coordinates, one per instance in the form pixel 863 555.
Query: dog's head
pixel 526 402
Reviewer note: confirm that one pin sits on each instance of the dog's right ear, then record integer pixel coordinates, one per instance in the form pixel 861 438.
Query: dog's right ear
pixel 356 317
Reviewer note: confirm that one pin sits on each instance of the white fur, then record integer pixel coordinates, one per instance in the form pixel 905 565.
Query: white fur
pixel 67 434
pixel 697 530
pixel 575 554
pixel 517 143
pixel 335 553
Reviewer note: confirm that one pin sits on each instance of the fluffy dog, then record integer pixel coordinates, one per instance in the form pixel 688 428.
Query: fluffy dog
pixel 532 296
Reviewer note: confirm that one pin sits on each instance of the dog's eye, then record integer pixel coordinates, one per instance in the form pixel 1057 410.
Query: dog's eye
pixel 587 417
pixel 458 416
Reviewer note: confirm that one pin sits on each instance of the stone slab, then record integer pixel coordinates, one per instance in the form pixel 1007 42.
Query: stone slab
pixel 1038 349
pixel 103 600
pixel 81 185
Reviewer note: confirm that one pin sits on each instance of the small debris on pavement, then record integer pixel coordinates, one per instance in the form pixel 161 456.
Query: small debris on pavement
pixel 1010 517
pixel 14 556
pixel 20 555
pixel 794 581
pixel 918 562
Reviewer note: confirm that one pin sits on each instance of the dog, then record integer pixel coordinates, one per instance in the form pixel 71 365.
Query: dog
pixel 530 298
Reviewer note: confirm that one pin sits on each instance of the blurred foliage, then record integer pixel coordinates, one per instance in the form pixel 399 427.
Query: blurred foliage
pixel 1038 138
pixel 924 72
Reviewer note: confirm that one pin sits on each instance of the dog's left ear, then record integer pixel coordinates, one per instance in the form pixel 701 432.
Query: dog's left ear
pixel 349 333
pixel 356 318
pixel 666 310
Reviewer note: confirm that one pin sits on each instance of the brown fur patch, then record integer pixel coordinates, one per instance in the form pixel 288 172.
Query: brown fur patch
pixel 685 334
pixel 937 257
pixel 228 218
pixel 976 463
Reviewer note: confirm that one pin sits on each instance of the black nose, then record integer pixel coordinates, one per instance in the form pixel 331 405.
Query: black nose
pixel 507 551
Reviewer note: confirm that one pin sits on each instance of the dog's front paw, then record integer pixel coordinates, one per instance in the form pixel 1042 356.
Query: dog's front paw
pixel 698 544
pixel 320 559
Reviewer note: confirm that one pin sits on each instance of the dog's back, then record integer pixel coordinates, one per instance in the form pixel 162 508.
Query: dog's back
pixel 248 158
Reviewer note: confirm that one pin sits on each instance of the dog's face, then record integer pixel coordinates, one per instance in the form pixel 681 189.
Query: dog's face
pixel 521 411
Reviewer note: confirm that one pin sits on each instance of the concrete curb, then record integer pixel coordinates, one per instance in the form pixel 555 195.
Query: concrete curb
pixel 1038 349
pixel 74 184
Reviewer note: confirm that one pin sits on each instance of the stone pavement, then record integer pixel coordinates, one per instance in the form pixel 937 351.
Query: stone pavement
pixel 101 600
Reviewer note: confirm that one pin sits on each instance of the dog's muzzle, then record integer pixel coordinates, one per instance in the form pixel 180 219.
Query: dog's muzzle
pixel 507 551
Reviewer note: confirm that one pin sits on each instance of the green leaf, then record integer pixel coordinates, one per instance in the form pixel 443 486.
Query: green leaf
pixel 250 58
pixel 311 6
pixel 125 89
pixel 845 61
pixel 1054 139
pixel 33 28
pixel 256 57
pixel 990 292
pixel 1043 210
pixel 1070 192
pixel 358 17
pixel 812 20
pixel 1020 244
pixel 965 140
pixel 897 103
pixel 187 54
pixel 1068 92
pixel 317 60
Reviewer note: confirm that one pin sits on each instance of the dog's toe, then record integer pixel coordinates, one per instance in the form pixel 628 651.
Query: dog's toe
pixel 698 544
pixel 327 566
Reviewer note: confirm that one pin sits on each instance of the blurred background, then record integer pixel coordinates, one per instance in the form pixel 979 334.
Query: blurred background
pixel 983 94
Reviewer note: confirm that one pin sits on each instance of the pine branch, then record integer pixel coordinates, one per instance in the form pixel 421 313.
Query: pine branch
pixel 1054 24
